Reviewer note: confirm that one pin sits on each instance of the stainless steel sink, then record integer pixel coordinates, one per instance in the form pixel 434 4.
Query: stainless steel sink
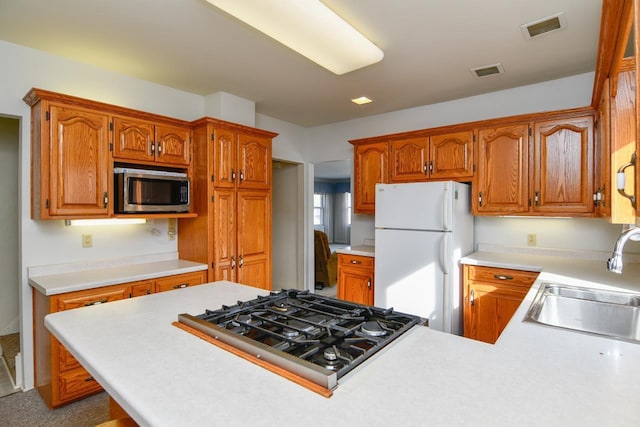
pixel 605 313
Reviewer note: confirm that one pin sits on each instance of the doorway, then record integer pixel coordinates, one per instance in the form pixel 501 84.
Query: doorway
pixel 9 277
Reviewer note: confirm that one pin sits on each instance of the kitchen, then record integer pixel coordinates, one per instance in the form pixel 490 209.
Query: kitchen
pixel 41 241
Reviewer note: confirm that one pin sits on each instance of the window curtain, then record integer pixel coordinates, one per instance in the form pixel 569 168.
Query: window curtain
pixel 336 212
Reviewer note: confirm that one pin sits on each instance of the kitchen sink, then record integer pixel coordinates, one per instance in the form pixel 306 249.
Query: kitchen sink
pixel 609 314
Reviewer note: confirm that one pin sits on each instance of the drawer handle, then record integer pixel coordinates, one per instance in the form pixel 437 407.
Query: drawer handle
pixel 355 261
pixel 472 297
pixel 100 301
pixel 369 283
pixel 502 277
pixel 181 285
pixel 89 378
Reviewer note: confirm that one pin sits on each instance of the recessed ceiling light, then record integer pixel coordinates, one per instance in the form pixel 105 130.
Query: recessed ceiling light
pixel 487 70
pixel 309 28
pixel 544 26
pixel 361 100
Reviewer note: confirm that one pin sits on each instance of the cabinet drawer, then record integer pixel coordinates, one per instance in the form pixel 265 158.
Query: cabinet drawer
pixel 502 275
pixel 91 297
pixel 179 281
pixel 65 360
pixel 355 261
pixel 144 287
pixel 76 383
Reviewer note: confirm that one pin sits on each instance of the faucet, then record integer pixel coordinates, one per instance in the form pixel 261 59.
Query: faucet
pixel 615 262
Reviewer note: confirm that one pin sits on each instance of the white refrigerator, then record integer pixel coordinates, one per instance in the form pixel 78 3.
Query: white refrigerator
pixel 421 232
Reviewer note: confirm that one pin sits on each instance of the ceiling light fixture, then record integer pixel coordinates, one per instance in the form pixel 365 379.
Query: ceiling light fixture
pixel 309 28
pixel 487 70
pixel 361 100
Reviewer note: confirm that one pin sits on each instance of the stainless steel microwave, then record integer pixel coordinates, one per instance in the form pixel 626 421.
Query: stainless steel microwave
pixel 141 190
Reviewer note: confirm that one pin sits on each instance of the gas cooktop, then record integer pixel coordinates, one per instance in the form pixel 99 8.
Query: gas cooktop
pixel 315 337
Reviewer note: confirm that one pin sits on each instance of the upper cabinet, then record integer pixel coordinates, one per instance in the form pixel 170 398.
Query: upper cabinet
pixel 144 141
pixel 409 157
pixel 70 162
pixel 563 166
pixel 502 182
pixel 75 142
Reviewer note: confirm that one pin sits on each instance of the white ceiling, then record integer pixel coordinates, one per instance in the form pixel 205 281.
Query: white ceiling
pixel 429 46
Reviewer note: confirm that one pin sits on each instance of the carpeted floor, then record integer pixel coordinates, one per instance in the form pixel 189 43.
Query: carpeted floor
pixel 28 409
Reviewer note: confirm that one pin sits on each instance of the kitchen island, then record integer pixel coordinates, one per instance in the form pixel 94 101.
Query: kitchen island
pixel 534 375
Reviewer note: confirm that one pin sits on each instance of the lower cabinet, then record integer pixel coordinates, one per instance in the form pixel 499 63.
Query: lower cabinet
pixel 491 297
pixel 355 278
pixel 59 377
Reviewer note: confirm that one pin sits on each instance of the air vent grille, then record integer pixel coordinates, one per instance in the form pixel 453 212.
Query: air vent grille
pixel 487 70
pixel 544 26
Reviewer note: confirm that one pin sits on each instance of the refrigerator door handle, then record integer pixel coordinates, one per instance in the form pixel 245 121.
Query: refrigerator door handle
pixel 444 253
pixel 445 208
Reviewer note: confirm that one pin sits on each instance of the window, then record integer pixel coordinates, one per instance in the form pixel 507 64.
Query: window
pixel 348 209
pixel 318 209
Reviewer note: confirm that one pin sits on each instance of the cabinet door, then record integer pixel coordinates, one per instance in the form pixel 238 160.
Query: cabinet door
pixel 451 156
pixel 254 162
pixel 356 285
pixel 254 238
pixel 173 145
pixel 179 281
pixel 502 177
pixel 223 229
pixel 370 168
pixel 224 158
pixel 409 160
pixel 133 139
pixel 79 164
pixel 563 171
pixel 602 162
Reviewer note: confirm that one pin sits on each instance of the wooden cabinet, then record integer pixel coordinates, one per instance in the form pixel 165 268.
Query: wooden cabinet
pixel 369 169
pixel 409 157
pixel 502 181
pixel 147 142
pixel 447 156
pixel 59 377
pixel 232 196
pixel 179 281
pixel 74 142
pixel 602 165
pixel 538 167
pixel 355 278
pixel 70 162
pixel 563 166
pixel 491 297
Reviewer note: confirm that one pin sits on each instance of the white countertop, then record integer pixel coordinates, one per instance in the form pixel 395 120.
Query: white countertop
pixel 52 284
pixel 362 250
pixel 533 375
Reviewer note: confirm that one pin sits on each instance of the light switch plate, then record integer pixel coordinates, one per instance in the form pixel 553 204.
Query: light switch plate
pixel 87 240
pixel 532 239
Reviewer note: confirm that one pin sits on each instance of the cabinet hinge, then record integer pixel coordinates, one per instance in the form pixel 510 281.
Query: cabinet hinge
pixel 110 125
pixel 474 167
pixel 595 124
pixel 213 136
pixel 213 199
pixel 213 265
pixel 213 178
pixel 47 116
pixel 529 202
pixel 530 132
pixel 46 204
pixel 111 146
pixel 474 137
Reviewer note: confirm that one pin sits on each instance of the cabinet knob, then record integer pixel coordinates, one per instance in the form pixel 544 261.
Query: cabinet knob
pixel 181 285
pixel 233 175
pixel 369 283
pixel 233 263
pixel 472 297
pixel 355 261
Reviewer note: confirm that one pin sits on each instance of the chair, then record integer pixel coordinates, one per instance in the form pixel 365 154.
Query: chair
pixel 326 263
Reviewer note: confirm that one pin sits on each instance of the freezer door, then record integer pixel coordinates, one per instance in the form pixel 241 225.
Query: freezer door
pixel 408 273
pixel 415 206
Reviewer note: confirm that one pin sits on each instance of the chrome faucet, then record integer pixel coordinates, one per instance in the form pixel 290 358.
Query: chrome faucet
pixel 615 262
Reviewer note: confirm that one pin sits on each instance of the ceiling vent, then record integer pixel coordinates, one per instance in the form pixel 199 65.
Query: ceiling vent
pixel 487 70
pixel 544 26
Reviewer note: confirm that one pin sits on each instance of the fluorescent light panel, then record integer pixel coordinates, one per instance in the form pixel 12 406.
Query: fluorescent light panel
pixel 544 26
pixel 308 27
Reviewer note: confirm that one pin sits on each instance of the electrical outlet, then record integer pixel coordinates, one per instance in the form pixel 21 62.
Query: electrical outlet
pixel 171 228
pixel 532 239
pixel 87 240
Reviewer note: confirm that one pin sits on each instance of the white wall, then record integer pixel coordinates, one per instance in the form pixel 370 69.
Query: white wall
pixel 9 279
pixel 50 242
